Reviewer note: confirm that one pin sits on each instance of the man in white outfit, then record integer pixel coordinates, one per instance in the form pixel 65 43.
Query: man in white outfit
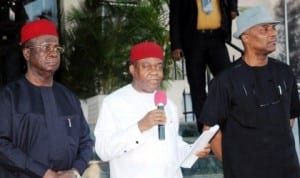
pixel 127 128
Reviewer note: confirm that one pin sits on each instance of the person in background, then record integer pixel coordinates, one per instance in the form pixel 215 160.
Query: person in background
pixel 127 128
pixel 43 133
pixel 12 17
pixel 198 32
pixel 255 101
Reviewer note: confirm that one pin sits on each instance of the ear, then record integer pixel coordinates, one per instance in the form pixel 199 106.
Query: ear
pixel 244 37
pixel 26 53
pixel 131 69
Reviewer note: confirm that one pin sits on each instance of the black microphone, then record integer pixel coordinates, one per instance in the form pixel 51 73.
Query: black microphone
pixel 160 100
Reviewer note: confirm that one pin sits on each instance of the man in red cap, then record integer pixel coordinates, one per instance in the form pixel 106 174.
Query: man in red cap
pixel 127 128
pixel 43 132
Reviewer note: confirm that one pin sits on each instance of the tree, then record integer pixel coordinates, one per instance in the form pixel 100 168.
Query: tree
pixel 99 39
pixel 294 33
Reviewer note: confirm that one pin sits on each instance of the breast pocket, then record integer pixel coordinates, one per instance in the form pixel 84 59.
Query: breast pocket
pixel 244 109
pixel 72 125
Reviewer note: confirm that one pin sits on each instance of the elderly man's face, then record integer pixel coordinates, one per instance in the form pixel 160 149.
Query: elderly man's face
pixel 147 74
pixel 43 54
pixel 261 38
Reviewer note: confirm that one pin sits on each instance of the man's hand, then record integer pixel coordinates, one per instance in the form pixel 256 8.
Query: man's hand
pixel 233 15
pixel 50 174
pixel 72 173
pixel 177 54
pixel 216 143
pixel 292 121
pixel 204 153
pixel 152 118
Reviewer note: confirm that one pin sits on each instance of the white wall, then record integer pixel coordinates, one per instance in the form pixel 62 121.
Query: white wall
pixel 68 5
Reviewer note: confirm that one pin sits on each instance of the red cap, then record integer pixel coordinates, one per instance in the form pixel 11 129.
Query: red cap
pixel 145 50
pixel 37 28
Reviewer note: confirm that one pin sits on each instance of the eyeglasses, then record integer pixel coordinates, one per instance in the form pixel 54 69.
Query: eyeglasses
pixel 46 48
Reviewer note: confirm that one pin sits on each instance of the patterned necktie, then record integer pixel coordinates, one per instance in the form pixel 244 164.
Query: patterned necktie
pixel 207 6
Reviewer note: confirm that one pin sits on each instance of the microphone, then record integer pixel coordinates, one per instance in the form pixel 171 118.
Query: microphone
pixel 160 100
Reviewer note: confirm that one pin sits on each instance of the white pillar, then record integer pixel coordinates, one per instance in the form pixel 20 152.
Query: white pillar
pixel 286 20
pixel 296 136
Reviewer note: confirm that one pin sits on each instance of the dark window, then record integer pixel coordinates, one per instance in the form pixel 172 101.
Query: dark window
pixel 42 8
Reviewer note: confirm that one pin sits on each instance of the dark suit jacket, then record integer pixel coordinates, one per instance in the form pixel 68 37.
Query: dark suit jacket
pixel 183 21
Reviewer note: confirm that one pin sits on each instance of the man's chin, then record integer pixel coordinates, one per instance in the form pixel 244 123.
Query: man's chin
pixel 151 89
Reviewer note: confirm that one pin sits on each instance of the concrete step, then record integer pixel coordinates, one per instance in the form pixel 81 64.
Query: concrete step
pixel 205 176
pixel 201 169
pixel 207 166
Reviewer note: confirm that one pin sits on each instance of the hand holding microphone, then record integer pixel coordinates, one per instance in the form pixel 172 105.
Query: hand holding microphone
pixel 160 101
pixel 155 117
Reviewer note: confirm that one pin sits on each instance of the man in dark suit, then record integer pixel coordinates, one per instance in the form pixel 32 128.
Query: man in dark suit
pixel 198 31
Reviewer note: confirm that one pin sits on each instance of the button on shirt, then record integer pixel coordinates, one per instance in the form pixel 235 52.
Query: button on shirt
pixel 133 154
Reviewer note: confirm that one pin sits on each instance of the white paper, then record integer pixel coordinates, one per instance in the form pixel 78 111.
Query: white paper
pixel 199 144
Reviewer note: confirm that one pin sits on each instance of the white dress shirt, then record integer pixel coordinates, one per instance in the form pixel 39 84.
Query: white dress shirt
pixel 132 154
